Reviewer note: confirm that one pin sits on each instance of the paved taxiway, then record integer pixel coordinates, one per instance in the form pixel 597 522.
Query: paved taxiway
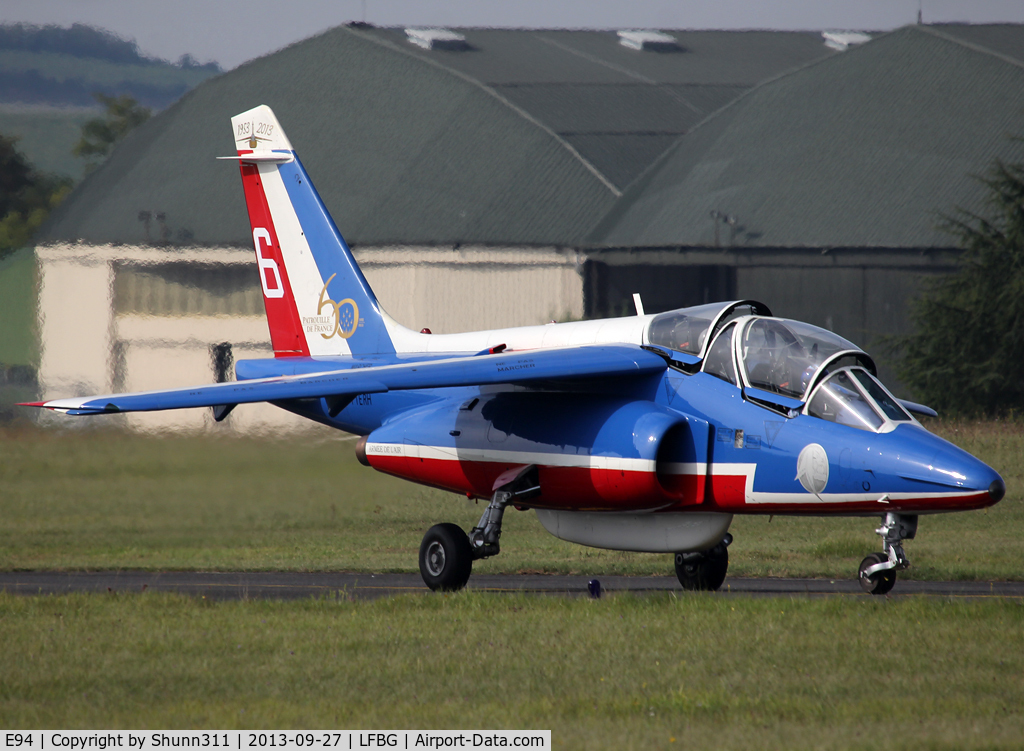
pixel 285 585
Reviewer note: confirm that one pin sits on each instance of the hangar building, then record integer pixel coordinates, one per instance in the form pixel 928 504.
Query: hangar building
pixel 492 177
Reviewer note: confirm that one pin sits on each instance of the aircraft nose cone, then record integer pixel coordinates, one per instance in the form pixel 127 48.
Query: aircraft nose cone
pixel 929 459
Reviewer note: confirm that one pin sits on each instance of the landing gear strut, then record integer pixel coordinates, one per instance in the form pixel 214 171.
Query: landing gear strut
pixel 877 574
pixel 447 553
pixel 704 571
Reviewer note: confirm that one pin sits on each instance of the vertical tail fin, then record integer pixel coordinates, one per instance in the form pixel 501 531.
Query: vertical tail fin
pixel 317 300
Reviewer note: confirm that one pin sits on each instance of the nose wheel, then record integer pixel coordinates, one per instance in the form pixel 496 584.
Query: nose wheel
pixel 881 581
pixel 877 572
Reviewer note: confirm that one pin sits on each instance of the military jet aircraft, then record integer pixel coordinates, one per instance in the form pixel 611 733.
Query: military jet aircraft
pixel 644 433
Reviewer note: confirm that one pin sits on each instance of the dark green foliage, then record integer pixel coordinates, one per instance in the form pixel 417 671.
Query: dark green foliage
pixel 188 62
pixel 14 173
pixel 967 355
pixel 78 40
pixel 99 135
pixel 33 87
pixel 26 196
pixel 36 67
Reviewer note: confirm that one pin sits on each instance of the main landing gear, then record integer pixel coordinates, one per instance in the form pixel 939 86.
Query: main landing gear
pixel 706 570
pixel 877 572
pixel 447 553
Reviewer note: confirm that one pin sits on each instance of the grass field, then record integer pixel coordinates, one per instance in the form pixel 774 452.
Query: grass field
pixel 689 670
pixel 663 672
pixel 94 499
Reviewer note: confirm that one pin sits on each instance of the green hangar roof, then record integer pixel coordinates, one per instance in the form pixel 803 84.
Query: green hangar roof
pixel 508 137
pixel 867 148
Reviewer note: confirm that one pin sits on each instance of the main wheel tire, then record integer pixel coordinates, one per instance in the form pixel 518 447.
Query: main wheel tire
pixel 446 559
pixel 880 582
pixel 704 573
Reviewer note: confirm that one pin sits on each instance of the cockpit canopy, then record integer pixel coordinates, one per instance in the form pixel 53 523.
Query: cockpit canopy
pixel 853 397
pixel 785 365
pixel 776 355
pixel 687 330
pixel 784 356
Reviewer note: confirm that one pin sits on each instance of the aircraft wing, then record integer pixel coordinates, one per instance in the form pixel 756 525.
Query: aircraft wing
pixel 533 366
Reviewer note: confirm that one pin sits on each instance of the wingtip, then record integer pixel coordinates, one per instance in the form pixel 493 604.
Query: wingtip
pixel 31 404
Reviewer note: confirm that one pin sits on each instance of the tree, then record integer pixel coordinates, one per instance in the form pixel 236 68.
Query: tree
pixel 966 356
pixel 77 40
pixel 26 196
pixel 15 173
pixel 123 114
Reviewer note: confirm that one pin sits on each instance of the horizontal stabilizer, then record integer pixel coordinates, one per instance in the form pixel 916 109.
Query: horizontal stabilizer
pixel 548 366
pixel 918 409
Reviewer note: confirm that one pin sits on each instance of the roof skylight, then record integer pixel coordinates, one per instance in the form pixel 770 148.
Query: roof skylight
pixel 841 40
pixel 436 39
pixel 648 40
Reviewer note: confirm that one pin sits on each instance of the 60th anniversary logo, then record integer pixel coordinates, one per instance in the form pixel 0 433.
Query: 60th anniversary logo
pixel 344 321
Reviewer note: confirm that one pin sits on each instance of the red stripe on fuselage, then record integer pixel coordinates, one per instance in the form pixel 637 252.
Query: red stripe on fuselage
pixel 576 488
pixel 286 334
pixel 686 489
pixel 593 489
pixel 968 502
pixel 728 491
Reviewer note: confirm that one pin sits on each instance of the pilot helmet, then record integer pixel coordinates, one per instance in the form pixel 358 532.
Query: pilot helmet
pixel 806 376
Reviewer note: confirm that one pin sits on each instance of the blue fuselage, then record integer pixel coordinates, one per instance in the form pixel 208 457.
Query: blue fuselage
pixel 667 441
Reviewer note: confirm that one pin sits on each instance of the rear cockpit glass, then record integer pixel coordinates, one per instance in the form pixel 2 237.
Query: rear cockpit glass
pixel 885 402
pixel 739 311
pixel 839 400
pixel 783 356
pixel 683 330
pixel 719 362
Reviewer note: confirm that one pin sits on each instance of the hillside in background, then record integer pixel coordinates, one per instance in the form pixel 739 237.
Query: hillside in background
pixel 48 75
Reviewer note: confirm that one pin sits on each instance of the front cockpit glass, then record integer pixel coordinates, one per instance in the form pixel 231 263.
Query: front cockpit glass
pixel 886 403
pixel 719 362
pixel 839 400
pixel 782 356
pixel 684 330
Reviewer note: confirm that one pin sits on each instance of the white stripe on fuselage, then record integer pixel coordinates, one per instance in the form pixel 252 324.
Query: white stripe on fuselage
pixel 616 463
pixel 755 498
pixel 628 330
pixel 546 459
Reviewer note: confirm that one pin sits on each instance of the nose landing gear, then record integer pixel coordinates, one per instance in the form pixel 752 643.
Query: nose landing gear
pixel 877 573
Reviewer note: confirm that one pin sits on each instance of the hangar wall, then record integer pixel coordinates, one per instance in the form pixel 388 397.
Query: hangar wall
pixel 470 288
pixel 861 304
pixel 862 294
pixel 128 318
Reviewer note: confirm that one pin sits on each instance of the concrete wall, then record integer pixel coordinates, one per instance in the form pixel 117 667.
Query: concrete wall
pixel 471 288
pixel 103 330
pixel 125 318
pixel 861 304
pixel 862 294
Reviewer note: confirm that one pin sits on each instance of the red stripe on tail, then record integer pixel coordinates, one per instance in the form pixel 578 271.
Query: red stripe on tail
pixel 286 333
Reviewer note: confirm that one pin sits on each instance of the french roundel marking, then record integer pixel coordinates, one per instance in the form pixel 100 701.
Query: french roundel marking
pixel 812 468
